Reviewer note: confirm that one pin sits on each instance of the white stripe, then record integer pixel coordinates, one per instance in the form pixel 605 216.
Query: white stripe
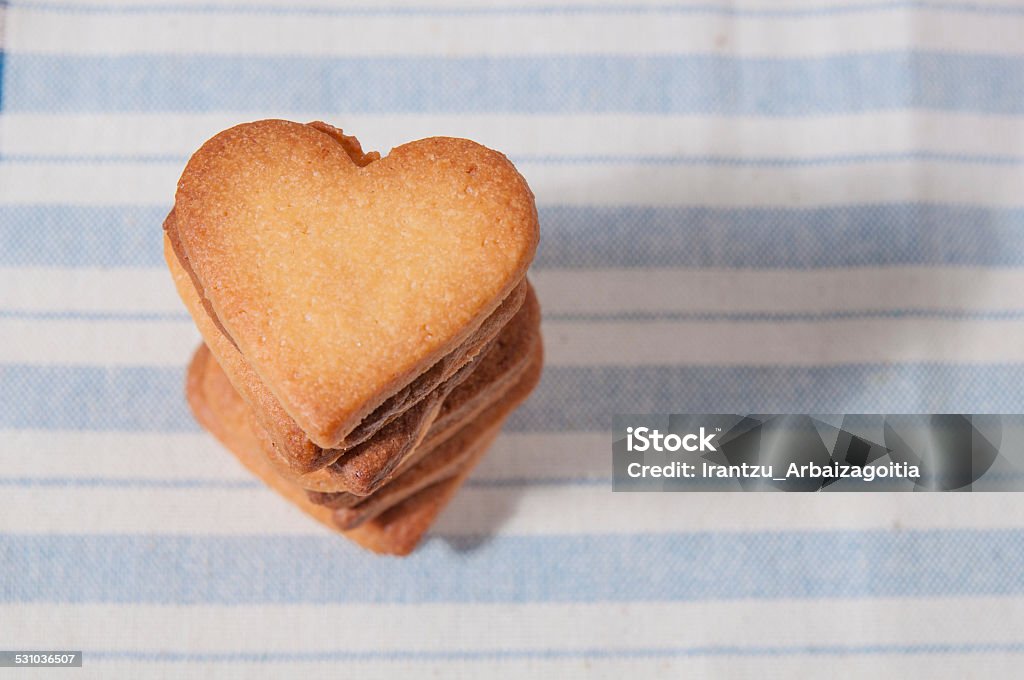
pixel 452 36
pixel 513 511
pixel 737 667
pixel 115 455
pixel 139 290
pixel 115 343
pixel 900 182
pixel 718 291
pixel 613 134
pixel 41 454
pixel 537 511
pixel 88 184
pixel 654 5
pixel 591 184
pixel 592 291
pixel 583 343
pixel 733 343
pixel 547 455
pixel 513 627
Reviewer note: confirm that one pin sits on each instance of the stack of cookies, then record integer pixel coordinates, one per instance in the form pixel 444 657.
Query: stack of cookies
pixel 368 324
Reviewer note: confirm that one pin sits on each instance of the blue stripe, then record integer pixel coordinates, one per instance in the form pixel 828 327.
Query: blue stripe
pixel 582 236
pixel 545 654
pixel 2 61
pixel 839 236
pixel 568 399
pixel 672 567
pixel 553 8
pixel 72 236
pixel 581 399
pixel 93 398
pixel 561 84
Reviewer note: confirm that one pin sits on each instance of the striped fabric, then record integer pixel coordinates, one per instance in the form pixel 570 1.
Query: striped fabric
pixel 755 205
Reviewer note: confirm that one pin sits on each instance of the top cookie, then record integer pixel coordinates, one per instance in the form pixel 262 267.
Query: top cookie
pixel 340 277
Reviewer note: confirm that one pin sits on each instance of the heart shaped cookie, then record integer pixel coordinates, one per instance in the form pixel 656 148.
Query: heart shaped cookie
pixel 339 277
